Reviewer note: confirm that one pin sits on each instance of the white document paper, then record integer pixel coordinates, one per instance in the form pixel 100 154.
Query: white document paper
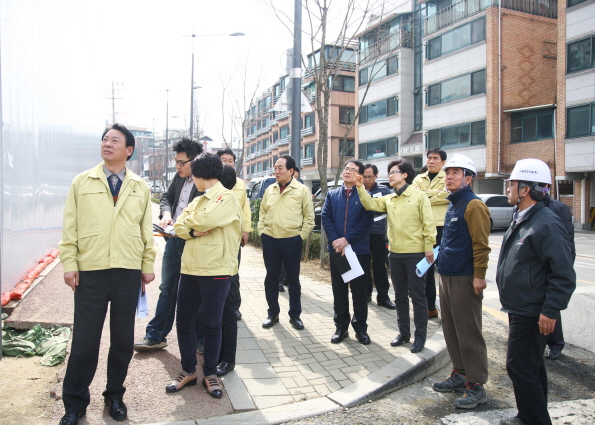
pixel 356 268
pixel 142 306
pixel 380 217
pixel 422 267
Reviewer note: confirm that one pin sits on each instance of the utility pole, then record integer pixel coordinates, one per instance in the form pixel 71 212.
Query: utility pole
pixel 115 91
pixel 167 139
pixel 296 81
pixel 192 91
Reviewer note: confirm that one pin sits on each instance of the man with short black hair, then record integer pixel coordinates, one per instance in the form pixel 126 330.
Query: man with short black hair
pixel 107 251
pixel 431 182
pixel 286 219
pixel 178 196
pixel 378 250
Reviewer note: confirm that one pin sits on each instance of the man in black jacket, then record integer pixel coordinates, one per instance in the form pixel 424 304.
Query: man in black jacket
pixel 555 341
pixel 180 193
pixel 535 279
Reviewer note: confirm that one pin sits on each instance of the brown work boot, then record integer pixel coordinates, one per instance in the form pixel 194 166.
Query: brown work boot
pixel 432 313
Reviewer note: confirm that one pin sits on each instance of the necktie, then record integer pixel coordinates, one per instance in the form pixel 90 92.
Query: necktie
pixel 114 185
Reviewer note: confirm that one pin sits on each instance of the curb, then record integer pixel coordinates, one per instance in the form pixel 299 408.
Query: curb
pixel 401 372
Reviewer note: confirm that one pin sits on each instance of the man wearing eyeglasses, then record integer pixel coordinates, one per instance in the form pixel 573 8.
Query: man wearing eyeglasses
pixel 346 222
pixel 180 193
pixel 378 249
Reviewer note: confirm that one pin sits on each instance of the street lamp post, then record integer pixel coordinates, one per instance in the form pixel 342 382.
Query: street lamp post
pixel 192 87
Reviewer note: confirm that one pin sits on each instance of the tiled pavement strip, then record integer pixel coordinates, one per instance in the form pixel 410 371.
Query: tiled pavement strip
pixel 282 365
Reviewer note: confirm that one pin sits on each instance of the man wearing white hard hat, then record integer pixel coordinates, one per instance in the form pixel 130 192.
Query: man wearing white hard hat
pixel 462 265
pixel 535 279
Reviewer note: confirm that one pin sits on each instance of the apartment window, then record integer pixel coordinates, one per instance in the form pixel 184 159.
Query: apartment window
pixel 309 121
pixel 275 136
pixel 379 109
pixel 309 150
pixel 346 115
pixel 347 147
pixel 581 55
pixel 457 88
pixel 468 134
pixel 381 148
pixel 532 125
pixel 580 121
pixel 575 2
pixel 344 83
pixel 460 37
pixel 380 69
pixel 259 146
pixel 284 132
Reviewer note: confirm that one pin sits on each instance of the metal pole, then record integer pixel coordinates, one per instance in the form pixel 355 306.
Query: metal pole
pixel 296 81
pixel 167 139
pixel 192 90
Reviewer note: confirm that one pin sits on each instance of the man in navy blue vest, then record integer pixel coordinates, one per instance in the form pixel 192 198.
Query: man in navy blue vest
pixel 378 249
pixel 462 265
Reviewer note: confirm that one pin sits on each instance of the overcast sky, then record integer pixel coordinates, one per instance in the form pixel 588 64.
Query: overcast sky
pixel 150 50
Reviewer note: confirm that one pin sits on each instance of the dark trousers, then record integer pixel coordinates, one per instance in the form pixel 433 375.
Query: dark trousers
pixel 235 287
pixel 161 324
pixel 555 340
pixel 97 289
pixel 192 291
pixel 379 255
pixel 430 278
pixel 407 285
pixel 286 253
pixel 526 368
pixel 229 324
pixel 358 295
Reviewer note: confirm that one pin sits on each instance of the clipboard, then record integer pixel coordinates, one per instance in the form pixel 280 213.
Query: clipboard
pixel 168 232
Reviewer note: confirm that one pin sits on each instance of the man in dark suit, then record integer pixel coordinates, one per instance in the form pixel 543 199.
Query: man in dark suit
pixel 180 193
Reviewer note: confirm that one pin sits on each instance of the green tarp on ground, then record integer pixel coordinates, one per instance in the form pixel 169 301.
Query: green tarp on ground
pixel 49 343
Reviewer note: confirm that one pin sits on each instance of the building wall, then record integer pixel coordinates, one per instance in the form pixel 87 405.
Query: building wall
pixel 51 126
pixel 528 79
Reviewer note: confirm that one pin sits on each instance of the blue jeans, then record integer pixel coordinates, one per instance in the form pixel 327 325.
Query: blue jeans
pixel 160 326
pixel 194 289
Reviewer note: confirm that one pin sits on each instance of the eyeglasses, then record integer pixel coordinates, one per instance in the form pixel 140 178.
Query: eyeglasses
pixel 353 170
pixel 396 171
pixel 182 163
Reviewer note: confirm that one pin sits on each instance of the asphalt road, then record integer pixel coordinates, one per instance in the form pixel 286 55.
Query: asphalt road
pixel 578 319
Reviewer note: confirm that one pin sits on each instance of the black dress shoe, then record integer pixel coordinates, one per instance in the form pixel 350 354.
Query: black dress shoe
pixel 363 338
pixel 553 355
pixel 224 367
pixel 281 288
pixel 387 304
pixel 339 336
pixel 238 315
pixel 117 409
pixel 400 340
pixel 417 345
pixel 297 323
pixel 270 321
pixel 72 418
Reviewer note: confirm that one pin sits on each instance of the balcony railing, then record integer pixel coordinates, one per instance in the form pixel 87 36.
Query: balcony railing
pixel 251 137
pixel 465 8
pixel 307 131
pixel 307 161
pixel 340 66
pixel 283 141
pixel 282 115
pixel 386 45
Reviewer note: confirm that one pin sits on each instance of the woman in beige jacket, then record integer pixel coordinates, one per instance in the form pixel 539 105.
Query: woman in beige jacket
pixel 211 226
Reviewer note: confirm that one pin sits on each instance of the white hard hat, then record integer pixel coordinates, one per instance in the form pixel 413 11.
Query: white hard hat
pixel 531 170
pixel 461 161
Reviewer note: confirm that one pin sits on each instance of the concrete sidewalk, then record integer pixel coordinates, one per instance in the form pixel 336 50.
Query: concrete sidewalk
pixel 281 373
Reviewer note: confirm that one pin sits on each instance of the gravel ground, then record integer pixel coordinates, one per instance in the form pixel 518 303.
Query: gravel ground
pixel 571 378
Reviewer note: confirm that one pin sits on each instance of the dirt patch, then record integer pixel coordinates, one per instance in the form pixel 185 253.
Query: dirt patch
pixel 24 391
